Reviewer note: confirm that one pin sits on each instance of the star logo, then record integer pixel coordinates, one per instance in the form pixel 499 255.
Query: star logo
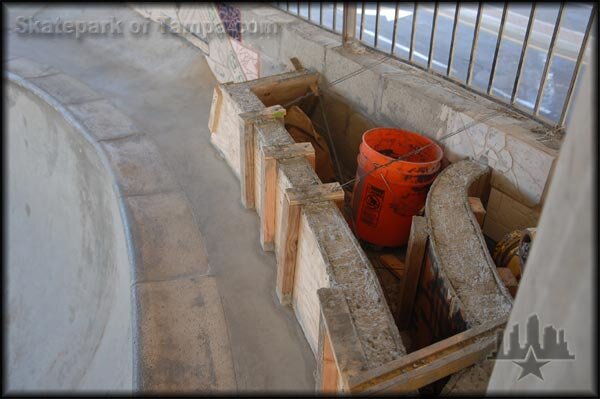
pixel 531 365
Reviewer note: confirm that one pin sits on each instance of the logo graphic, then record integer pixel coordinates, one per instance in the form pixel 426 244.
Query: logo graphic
pixel 532 356
pixel 372 205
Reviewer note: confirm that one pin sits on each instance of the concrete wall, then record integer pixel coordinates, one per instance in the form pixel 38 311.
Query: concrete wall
pixel 520 151
pixel 69 313
pixel 558 282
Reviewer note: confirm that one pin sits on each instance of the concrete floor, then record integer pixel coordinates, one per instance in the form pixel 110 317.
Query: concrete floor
pixel 165 86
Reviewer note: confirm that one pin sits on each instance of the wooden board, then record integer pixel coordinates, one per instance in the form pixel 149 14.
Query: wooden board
pixel 267 184
pixel 432 363
pixel 311 274
pixel 285 88
pixel 215 110
pixel 477 209
pixel 286 265
pixel 414 261
pixel 295 197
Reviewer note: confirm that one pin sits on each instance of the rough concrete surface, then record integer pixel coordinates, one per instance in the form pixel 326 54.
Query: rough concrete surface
pixel 165 87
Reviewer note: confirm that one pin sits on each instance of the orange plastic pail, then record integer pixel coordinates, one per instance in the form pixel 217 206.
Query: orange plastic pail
pixel 384 201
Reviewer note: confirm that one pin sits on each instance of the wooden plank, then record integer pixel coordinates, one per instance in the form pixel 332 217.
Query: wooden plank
pixel 247 163
pixel 395 265
pixel 284 89
pixel 329 372
pixel 215 110
pixel 315 193
pixel 270 156
pixel 414 261
pixel 268 197
pixel 431 363
pixel 477 209
pixel 297 64
pixel 286 266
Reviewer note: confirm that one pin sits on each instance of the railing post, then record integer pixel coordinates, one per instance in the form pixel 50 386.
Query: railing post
pixel 349 25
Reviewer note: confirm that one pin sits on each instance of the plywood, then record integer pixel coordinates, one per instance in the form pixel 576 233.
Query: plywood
pixel 292 172
pixel 282 89
pixel 226 136
pixel 311 274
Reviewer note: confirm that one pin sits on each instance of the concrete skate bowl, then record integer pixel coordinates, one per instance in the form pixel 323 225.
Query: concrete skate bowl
pixel 97 229
pixel 69 313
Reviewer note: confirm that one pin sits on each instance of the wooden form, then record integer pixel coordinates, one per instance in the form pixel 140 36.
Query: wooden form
pixel 404 375
pixel 415 253
pixel 294 199
pixel 215 110
pixel 477 209
pixel 248 119
pixel 348 326
pixel 432 363
pixel 271 155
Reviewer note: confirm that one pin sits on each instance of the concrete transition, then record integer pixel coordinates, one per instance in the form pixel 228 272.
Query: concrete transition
pixel 117 206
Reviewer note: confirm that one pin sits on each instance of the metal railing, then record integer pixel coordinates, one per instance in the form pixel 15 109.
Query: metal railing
pixel 525 55
pixel 328 16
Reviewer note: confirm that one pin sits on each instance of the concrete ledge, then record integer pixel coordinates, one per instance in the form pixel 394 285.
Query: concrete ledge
pixel 457 252
pixel 180 341
pixel 458 248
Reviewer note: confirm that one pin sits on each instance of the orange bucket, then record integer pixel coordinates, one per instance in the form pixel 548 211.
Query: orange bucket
pixel 384 202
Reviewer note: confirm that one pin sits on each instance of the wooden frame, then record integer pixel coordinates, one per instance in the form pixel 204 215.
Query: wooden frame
pixel 313 243
pixel 294 199
pixel 270 157
pixel 248 120
pixel 431 363
pixel 401 376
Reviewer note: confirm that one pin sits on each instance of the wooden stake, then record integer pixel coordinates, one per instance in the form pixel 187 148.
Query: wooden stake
pixel 414 262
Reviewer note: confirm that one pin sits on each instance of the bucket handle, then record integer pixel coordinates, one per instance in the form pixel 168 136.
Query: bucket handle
pixel 386 183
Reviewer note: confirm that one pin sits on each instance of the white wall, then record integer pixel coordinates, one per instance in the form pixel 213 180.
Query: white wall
pixel 559 281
